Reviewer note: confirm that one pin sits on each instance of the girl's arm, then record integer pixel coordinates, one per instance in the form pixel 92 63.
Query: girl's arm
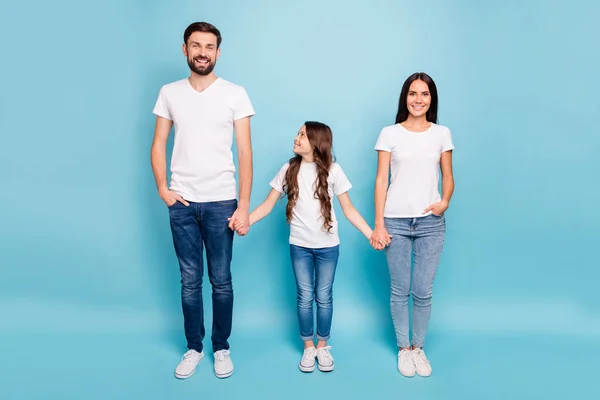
pixel 263 210
pixel 354 216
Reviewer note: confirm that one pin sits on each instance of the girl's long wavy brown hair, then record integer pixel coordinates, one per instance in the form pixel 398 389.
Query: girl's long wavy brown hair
pixel 321 139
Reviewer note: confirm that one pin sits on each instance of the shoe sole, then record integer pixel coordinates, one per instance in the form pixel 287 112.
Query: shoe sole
pixel 324 368
pixel 225 375
pixel 407 376
pixel 424 376
pixel 306 369
pixel 184 376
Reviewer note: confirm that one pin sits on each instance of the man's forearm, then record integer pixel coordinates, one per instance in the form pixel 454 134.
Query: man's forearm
pixel 159 167
pixel 245 177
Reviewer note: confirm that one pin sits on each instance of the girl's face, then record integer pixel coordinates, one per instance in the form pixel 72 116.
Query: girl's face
pixel 418 99
pixel 302 145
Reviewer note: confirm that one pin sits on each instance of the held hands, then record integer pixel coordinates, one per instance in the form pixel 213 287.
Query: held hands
pixel 170 197
pixel 437 208
pixel 380 238
pixel 240 222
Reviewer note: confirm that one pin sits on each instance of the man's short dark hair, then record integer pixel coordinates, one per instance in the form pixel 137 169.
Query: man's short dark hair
pixel 202 27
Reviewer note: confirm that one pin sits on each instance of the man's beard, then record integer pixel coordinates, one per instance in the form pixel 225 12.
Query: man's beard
pixel 201 70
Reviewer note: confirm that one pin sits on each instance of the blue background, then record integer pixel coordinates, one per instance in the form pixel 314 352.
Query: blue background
pixel 89 282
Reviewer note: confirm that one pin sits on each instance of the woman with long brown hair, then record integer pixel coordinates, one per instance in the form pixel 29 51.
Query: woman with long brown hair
pixel 409 206
pixel 310 180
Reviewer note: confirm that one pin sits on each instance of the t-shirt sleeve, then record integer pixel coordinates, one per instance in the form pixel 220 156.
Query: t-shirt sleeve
pixel 243 107
pixel 161 108
pixel 341 184
pixel 384 141
pixel 279 180
pixel 447 144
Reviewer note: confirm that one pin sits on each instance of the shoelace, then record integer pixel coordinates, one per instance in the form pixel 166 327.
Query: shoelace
pixel 405 355
pixel 221 355
pixel 324 352
pixel 189 355
pixel 309 355
pixel 419 357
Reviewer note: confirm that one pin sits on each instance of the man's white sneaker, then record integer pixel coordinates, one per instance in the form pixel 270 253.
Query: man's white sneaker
pixel 422 364
pixel 223 364
pixel 307 364
pixel 188 364
pixel 325 359
pixel 406 365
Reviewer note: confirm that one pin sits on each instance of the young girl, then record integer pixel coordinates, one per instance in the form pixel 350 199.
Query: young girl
pixel 412 210
pixel 309 180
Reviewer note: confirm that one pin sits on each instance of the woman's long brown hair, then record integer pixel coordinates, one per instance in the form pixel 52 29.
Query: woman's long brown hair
pixel 321 139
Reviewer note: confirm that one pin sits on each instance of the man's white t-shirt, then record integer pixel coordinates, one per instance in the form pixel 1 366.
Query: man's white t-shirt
pixel 306 225
pixel 415 161
pixel 202 168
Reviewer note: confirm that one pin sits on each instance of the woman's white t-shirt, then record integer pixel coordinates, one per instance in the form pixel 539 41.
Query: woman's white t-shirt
pixel 306 225
pixel 415 161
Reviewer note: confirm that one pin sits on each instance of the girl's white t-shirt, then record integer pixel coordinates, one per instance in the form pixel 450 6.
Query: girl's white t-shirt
pixel 415 162
pixel 306 225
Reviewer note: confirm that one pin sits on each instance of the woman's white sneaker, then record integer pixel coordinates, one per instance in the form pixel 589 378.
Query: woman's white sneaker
pixel 325 359
pixel 406 365
pixel 422 365
pixel 307 363
pixel 188 364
